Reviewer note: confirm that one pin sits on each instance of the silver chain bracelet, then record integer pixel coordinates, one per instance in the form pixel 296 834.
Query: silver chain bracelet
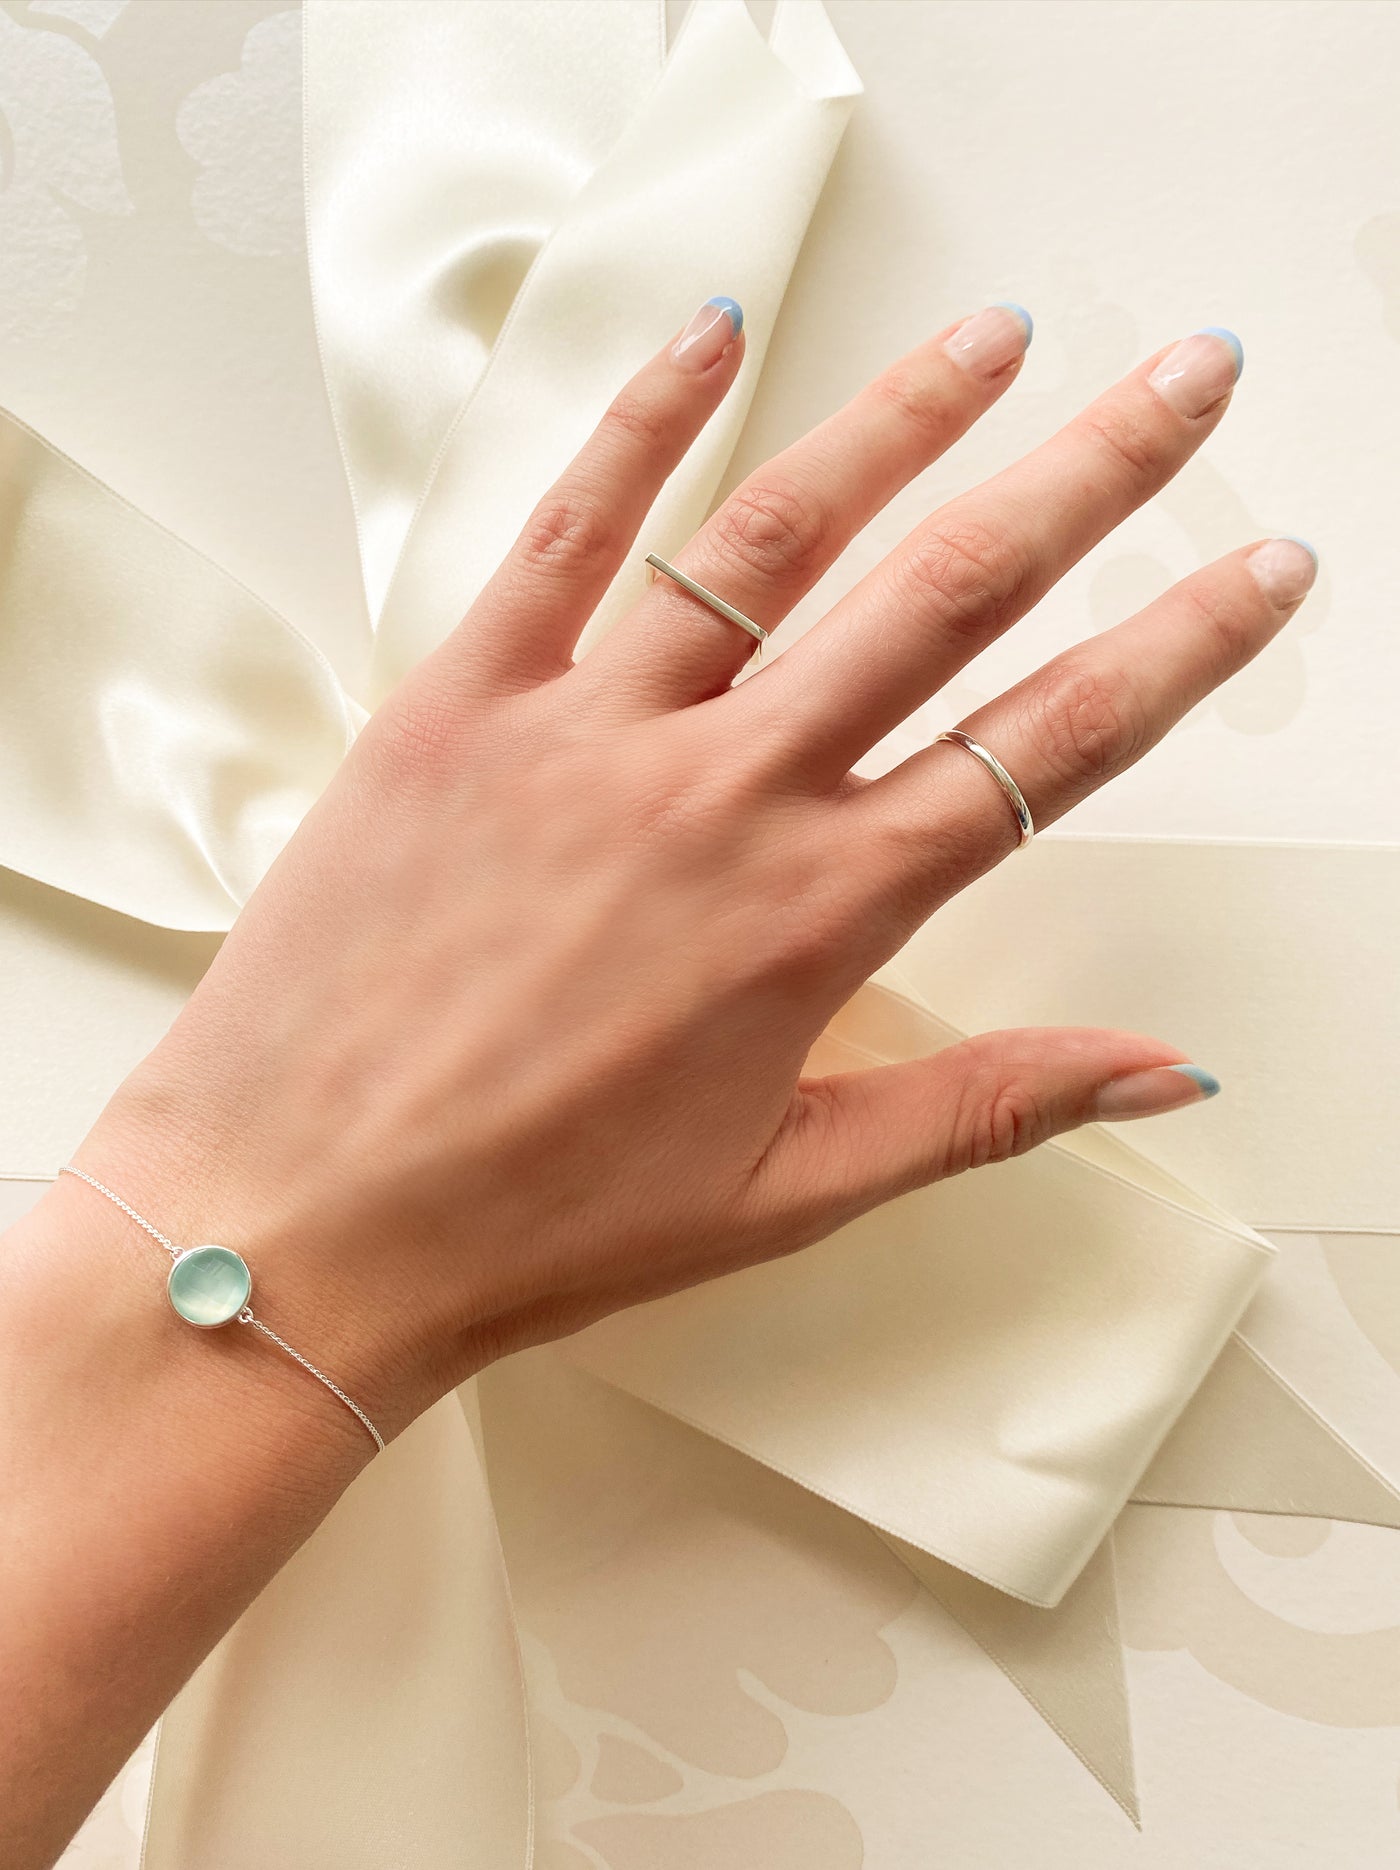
pixel 210 1286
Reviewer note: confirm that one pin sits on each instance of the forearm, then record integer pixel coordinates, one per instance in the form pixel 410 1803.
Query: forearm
pixel 154 1479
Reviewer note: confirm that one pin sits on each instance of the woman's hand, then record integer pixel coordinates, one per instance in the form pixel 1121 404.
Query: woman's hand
pixel 512 1033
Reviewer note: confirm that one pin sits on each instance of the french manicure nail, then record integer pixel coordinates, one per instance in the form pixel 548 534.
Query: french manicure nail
pixel 1145 1093
pixel 1284 569
pixel 709 334
pixel 1199 372
pixel 991 339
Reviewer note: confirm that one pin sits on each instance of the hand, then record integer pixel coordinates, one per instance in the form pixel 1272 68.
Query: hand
pixel 512 1033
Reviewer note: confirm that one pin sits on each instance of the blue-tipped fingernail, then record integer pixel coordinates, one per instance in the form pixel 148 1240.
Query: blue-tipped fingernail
pixel 1284 569
pixel 1149 1093
pixel 708 335
pixel 1226 337
pixel 1018 311
pixel 1306 544
pixel 1197 375
pixel 734 309
pixel 991 341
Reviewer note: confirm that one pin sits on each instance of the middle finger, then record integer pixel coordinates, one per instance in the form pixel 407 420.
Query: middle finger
pixel 772 539
pixel 982 561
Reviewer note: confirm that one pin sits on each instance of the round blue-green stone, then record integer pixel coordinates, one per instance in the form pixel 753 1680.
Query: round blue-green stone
pixel 209 1285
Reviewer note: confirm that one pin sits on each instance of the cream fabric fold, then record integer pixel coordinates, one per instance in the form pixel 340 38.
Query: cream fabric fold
pixel 445 144
pixel 162 731
pixel 1067 1662
pixel 1246 1442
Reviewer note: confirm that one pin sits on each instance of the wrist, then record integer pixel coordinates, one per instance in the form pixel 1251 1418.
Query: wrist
pixel 202 1175
pixel 165 1147
pixel 155 1478
pixel 87 1314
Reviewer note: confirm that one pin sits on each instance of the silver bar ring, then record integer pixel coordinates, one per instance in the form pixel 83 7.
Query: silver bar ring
pixel 716 604
pixel 1015 797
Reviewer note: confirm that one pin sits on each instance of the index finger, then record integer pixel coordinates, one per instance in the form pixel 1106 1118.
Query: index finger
pixel 770 541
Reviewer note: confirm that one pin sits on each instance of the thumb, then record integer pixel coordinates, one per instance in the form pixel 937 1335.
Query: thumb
pixel 860 1137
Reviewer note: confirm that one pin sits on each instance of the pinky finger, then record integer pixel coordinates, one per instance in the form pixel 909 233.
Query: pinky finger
pixel 524 626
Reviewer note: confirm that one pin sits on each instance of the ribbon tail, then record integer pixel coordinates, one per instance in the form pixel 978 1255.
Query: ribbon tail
pixel 337 1678
pixel 1250 1444
pixel 1067 1662
pixel 1247 1441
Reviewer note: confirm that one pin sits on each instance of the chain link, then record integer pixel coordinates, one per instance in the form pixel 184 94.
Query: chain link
pixel 154 1232
pixel 245 1317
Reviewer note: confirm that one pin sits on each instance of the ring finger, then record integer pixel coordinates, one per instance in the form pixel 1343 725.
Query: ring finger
pixel 971 569
pixel 1072 726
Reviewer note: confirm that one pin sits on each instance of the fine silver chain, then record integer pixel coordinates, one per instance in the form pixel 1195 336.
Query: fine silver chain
pixel 245 1317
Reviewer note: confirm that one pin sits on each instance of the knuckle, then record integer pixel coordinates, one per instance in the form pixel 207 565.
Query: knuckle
pixel 804 950
pixel 1224 622
pixel 676 814
pixel 1013 1122
pixel 998 1115
pixel 972 574
pixel 633 418
pixel 1086 724
pixel 414 739
pixel 809 928
pixel 915 401
pixel 568 531
pixel 774 526
pixel 1132 446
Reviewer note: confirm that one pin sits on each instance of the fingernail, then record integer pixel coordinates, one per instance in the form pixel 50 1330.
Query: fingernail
pixel 991 339
pixel 1199 372
pixel 1284 569
pixel 709 334
pixel 1145 1093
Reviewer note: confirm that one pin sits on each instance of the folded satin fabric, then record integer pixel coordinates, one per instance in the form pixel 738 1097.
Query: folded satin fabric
pixel 162 731
pixel 447 144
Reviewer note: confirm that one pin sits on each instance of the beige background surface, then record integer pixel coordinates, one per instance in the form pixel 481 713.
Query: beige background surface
pixel 1128 171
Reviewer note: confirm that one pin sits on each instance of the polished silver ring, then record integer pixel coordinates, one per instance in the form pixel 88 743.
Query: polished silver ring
pixel 717 604
pixel 998 772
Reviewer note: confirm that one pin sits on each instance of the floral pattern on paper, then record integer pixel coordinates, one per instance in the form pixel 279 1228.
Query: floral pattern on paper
pixel 243 128
pixel 58 152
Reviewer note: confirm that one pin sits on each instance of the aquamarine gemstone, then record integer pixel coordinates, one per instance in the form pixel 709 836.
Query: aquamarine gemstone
pixel 209 1285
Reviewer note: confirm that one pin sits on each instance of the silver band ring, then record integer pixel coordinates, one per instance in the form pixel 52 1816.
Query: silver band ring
pixel 1013 792
pixel 717 604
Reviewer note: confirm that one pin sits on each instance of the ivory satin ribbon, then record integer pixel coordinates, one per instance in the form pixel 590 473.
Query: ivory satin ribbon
pixel 162 731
